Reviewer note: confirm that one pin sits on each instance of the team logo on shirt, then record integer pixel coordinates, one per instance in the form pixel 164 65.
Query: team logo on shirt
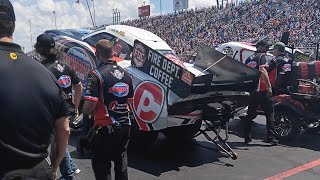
pixel 286 67
pixel 117 74
pixel 60 67
pixel 120 89
pixel 252 64
pixel 64 81
pixel 13 56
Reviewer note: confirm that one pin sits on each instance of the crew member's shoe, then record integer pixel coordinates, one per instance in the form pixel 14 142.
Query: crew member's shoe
pixel 80 147
pixel 247 140
pixel 77 171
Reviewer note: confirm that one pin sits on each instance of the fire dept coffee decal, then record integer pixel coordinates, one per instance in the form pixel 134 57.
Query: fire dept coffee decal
pixel 166 71
pixel 148 101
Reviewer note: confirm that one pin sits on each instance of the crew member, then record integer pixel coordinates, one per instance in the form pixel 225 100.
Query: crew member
pixel 67 80
pixel 279 69
pixel 263 95
pixel 31 108
pixel 108 94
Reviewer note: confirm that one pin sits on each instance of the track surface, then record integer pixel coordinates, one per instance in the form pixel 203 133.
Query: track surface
pixel 198 159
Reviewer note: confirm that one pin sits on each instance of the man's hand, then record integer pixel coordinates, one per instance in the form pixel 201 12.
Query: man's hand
pixel 269 92
pixel 263 67
pixel 54 175
pixel 76 113
pixel 61 136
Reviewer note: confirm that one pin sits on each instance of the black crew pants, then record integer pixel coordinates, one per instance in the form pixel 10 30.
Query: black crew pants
pixel 256 99
pixel 110 144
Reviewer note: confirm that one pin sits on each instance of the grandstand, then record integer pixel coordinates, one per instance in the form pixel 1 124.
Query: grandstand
pixel 247 21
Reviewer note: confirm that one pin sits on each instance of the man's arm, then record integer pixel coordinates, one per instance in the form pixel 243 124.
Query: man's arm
pixel 77 94
pixel 265 77
pixel 77 86
pixel 91 94
pixel 88 107
pixel 131 91
pixel 61 136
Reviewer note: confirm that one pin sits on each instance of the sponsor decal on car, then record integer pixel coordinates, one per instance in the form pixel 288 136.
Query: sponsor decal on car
pixel 187 77
pixel 148 101
pixel 174 59
pixel 139 55
pixel 80 61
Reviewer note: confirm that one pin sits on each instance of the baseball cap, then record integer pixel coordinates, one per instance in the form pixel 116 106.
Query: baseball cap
pixel 45 41
pixel 280 45
pixel 263 43
pixel 6 11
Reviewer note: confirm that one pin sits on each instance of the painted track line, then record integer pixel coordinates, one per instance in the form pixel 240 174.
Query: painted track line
pixel 294 171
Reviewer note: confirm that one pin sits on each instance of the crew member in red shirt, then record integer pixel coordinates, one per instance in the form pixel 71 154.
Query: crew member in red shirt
pixel 263 95
pixel 108 93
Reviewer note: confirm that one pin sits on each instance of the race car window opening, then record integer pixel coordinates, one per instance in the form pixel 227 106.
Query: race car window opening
pixel 92 40
pixel 121 48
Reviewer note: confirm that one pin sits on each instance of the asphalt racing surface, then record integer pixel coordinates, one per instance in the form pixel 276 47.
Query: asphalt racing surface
pixel 199 160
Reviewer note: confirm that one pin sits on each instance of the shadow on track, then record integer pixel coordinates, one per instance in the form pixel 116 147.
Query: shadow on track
pixel 167 156
pixel 259 132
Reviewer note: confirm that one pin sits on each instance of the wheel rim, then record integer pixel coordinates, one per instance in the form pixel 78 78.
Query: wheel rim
pixel 282 125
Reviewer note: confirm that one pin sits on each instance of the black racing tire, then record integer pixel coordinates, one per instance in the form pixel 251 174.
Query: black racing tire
pixel 287 124
pixel 184 133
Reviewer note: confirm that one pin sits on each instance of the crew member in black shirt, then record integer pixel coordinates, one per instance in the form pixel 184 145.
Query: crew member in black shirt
pixel 31 108
pixel 280 69
pixel 108 93
pixel 263 95
pixel 66 76
pixel 67 80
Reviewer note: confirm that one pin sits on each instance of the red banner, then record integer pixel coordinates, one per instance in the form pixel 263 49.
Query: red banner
pixel 144 11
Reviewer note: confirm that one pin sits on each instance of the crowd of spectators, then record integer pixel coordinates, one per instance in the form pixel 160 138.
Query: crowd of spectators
pixel 248 21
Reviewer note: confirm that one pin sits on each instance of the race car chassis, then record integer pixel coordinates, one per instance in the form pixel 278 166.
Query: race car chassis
pixel 216 117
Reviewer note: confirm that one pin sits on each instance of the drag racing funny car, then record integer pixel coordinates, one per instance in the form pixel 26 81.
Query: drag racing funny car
pixel 170 96
pixel 242 50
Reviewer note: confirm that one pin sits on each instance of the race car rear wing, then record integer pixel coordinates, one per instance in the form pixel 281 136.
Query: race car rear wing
pixel 219 72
